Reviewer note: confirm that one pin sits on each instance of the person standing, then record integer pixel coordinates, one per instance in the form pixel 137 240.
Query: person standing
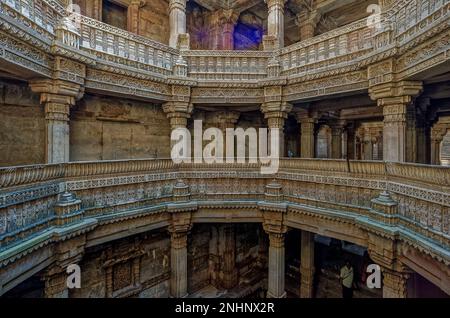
pixel 346 278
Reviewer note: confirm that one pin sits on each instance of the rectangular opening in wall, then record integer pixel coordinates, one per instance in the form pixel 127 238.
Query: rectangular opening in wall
pixel 114 14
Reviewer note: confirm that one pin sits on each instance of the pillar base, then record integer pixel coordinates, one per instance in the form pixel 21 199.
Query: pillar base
pixel 269 295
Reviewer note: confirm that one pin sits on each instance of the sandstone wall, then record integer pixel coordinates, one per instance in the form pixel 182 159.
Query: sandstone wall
pixel 22 125
pixel 154 21
pixel 104 128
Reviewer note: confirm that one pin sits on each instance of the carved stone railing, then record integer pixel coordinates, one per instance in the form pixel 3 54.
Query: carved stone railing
pixel 117 46
pixel 40 15
pixel 341 47
pixel 412 18
pixel 342 56
pixel 227 65
pixel 28 194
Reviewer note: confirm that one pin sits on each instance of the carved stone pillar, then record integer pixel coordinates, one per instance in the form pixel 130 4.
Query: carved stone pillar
pixel 177 20
pixel 273 212
pixel 337 129
pixel 57 97
pixel 307 23
pixel 55 281
pixel 133 15
pixel 275 20
pixel 307 127
pixel 396 99
pixel 178 262
pixel 229 270
pixel 223 23
pixel 179 109
pixel 276 280
pixel 438 131
pixel 423 131
pixel 307 265
pixel 65 253
pixel 276 114
pixel 394 284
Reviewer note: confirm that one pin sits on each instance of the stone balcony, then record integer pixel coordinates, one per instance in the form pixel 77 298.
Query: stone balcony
pixel 124 62
pixel 106 198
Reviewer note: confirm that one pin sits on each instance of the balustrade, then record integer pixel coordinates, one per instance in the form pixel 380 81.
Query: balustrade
pixel 40 15
pixel 28 194
pixel 227 65
pixel 335 48
pixel 120 46
pixel 350 45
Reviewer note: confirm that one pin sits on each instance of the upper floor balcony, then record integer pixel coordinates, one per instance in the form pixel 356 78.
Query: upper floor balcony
pixel 351 47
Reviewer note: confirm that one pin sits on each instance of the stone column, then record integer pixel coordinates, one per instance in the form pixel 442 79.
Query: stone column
pixel 57 97
pixel 275 20
pixel 394 284
pixel 307 268
pixel 276 281
pixel 396 99
pixel 178 263
pixel 307 23
pixel 337 129
pixel 423 130
pixel 229 270
pixel 276 115
pixel 56 284
pixel 223 23
pixel 133 15
pixel 438 132
pixel 307 142
pixel 177 20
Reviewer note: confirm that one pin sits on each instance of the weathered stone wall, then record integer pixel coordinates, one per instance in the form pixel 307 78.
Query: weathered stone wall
pixel 134 267
pixel 104 128
pixel 247 247
pixel 154 21
pixel 198 258
pixel 22 125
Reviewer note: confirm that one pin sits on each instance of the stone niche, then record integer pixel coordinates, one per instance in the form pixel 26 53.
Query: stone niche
pixel 224 256
pixel 105 128
pixel 22 125
pixel 137 266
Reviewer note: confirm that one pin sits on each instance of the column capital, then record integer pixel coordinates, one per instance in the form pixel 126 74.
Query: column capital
pixel 57 91
pixel 395 92
pixel 273 3
pixel 176 4
pixel 276 109
pixel 178 113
